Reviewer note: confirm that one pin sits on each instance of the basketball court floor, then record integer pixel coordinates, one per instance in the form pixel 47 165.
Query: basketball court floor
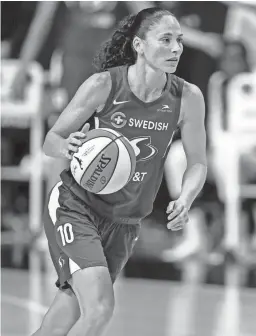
pixel 189 307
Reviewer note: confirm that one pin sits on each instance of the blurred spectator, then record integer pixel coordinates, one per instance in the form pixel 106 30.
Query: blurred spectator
pixel 75 29
pixel 202 39
pixel 204 52
pixel 233 61
pixel 209 207
pixel 202 48
pixel 27 28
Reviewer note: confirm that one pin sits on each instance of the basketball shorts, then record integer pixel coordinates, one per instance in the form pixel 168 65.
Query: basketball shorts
pixel 79 238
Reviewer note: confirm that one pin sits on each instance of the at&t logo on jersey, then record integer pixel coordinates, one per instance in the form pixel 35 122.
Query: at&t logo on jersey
pixel 143 148
pixel 119 120
pixel 144 151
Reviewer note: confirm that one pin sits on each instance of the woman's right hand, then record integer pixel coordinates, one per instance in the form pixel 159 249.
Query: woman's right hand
pixel 74 141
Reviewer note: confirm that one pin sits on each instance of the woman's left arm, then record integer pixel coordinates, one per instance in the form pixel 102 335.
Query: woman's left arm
pixel 194 142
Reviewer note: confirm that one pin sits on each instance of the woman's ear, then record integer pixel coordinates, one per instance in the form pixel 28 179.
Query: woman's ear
pixel 137 45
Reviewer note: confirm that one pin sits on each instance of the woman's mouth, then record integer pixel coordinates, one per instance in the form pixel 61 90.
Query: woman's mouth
pixel 173 61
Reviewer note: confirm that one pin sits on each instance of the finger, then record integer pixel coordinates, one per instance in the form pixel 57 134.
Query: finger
pixel 78 135
pixel 75 141
pixel 174 226
pixel 170 207
pixel 72 148
pixel 177 222
pixel 171 225
pixel 176 212
pixel 177 228
pixel 69 155
pixel 183 217
pixel 85 128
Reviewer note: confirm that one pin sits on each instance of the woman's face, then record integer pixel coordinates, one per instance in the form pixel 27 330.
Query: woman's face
pixel 233 61
pixel 163 46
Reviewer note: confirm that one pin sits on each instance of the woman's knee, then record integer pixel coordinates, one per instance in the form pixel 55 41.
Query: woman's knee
pixel 101 306
pixel 102 309
pixel 94 290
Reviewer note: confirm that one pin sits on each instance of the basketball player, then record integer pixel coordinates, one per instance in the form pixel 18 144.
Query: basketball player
pixel 92 236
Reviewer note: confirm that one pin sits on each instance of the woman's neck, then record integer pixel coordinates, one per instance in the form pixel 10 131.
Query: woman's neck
pixel 145 82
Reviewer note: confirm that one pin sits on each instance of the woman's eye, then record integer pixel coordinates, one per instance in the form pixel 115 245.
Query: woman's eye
pixel 166 39
pixel 180 40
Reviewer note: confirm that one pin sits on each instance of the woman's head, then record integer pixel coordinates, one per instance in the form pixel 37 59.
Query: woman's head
pixel 153 35
pixel 234 58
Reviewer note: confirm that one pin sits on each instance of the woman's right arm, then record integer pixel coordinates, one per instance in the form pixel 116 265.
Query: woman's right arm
pixel 63 139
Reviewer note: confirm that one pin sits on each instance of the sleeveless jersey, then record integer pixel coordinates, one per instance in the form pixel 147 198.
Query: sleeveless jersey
pixel 150 128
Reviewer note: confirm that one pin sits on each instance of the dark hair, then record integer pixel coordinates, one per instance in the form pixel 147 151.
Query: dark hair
pixel 118 49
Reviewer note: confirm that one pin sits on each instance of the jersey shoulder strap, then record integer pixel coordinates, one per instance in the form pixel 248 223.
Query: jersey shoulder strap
pixel 176 86
pixel 116 75
pixel 175 91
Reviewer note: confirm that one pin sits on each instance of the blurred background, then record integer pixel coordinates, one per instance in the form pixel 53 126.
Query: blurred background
pixel 199 281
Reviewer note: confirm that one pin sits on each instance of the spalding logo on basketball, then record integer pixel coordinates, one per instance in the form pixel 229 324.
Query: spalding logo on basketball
pixel 104 163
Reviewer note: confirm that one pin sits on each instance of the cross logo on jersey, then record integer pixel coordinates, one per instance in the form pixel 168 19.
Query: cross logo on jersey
pixel 143 149
pixel 118 119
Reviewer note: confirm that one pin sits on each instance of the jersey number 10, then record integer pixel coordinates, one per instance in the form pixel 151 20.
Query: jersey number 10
pixel 66 233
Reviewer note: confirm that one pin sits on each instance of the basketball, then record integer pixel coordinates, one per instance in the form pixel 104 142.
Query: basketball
pixel 104 163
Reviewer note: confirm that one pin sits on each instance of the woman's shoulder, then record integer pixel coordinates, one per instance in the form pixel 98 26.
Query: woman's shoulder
pixel 94 91
pixel 99 86
pixel 101 80
pixel 191 90
pixel 106 79
pixel 192 103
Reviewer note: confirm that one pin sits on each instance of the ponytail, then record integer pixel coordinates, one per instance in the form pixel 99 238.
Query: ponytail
pixel 118 50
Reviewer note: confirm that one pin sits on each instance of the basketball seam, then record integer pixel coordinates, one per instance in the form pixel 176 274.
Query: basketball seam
pixel 131 167
pixel 112 140
pixel 131 173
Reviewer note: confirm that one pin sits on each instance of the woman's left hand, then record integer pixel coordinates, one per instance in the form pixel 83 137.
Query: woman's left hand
pixel 177 215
